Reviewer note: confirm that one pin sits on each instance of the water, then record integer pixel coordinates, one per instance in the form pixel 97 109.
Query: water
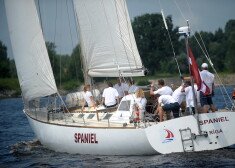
pixel 20 148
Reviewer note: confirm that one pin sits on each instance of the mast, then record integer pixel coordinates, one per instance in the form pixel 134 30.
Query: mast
pixel 186 32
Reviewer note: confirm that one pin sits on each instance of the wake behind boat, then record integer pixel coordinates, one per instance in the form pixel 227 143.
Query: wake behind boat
pixel 101 131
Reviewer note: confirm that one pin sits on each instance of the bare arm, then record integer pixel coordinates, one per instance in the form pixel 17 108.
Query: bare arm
pixel 84 102
pixel 158 107
pixel 213 89
pixel 93 102
pixel 118 100
pixel 151 90
pixel 102 100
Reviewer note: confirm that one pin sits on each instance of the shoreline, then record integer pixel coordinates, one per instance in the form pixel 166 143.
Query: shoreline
pixel 228 80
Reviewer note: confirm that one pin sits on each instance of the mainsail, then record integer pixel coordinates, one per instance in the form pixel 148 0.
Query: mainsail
pixel 29 50
pixel 107 40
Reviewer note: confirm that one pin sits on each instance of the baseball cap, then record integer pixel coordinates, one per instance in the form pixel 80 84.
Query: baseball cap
pixel 204 65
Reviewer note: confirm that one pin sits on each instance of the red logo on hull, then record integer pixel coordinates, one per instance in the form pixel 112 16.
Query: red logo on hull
pixel 169 137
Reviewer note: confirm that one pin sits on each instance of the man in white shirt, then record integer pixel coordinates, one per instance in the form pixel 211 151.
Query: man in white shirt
pixel 208 78
pixel 132 87
pixel 188 90
pixel 167 103
pixel 178 95
pixel 110 96
pixel 163 90
pixel 121 87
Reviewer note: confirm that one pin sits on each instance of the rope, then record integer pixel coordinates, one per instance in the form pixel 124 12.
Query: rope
pixel 171 43
pixel 180 10
pixel 82 60
pixel 128 28
pixel 206 54
pixel 40 17
pixel 60 44
pixel 70 31
pixel 121 34
pixel 55 31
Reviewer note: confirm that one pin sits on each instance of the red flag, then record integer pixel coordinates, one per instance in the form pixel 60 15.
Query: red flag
pixel 195 73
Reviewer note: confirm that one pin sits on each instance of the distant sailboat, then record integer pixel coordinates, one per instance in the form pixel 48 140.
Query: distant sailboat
pixel 109 50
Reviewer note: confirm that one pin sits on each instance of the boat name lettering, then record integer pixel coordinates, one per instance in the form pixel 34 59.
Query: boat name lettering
pixel 214 120
pixel 85 138
pixel 215 131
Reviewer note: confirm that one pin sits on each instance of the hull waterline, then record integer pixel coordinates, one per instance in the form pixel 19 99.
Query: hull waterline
pixel 164 137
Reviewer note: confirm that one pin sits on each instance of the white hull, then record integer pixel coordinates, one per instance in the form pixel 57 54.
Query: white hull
pixel 140 141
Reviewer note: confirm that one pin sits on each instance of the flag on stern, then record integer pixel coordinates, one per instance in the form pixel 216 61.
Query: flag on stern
pixel 195 73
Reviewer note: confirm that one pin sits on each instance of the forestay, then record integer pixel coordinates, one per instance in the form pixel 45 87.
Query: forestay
pixel 29 50
pixel 107 40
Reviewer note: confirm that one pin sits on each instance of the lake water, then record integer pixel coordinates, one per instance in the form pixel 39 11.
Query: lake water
pixel 20 148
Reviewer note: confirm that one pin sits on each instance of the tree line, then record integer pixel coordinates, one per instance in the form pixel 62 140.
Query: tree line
pixel 156 52
pixel 154 48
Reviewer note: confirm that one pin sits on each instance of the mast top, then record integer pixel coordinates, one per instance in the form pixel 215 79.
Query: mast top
pixel 185 30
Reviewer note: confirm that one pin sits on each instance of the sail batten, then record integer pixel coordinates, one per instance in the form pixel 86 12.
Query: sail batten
pixel 107 38
pixel 29 50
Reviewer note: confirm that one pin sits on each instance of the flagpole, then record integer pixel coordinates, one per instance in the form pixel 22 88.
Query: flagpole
pixel 186 35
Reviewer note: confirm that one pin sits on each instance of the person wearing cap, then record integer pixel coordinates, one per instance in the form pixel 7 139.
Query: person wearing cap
pixel 208 78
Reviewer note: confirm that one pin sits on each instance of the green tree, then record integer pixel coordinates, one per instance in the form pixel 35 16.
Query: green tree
pixel 4 62
pixel 230 30
pixel 153 42
pixel 54 60
pixel 75 65
pixel 230 57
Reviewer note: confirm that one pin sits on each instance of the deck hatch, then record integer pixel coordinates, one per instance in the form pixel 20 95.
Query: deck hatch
pixel 90 116
pixel 107 117
pixel 81 115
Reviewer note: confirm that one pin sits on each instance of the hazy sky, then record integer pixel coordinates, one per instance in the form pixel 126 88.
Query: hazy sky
pixel 59 27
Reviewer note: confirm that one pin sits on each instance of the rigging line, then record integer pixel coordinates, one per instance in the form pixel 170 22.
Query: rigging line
pixel 60 41
pixel 128 28
pixel 171 42
pixel 121 33
pixel 160 4
pixel 75 62
pixel 223 88
pixel 79 47
pixel 40 17
pixel 69 23
pixel 205 54
pixel 81 52
pixel 64 105
pixel 220 81
pixel 208 57
pixel 53 56
pixel 174 53
pixel 180 10
pixel 190 9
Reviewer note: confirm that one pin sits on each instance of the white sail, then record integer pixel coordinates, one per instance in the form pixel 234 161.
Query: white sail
pixel 107 40
pixel 29 50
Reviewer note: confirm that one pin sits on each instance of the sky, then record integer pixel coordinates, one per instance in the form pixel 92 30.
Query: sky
pixel 59 24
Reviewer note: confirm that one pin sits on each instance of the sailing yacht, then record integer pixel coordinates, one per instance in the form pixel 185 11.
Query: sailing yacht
pixel 109 50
